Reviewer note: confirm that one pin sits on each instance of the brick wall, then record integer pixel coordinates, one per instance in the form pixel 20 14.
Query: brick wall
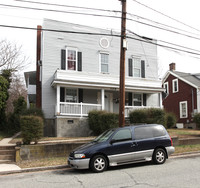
pixel 172 101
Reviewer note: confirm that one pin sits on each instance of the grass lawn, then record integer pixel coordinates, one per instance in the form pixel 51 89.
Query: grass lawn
pixel 187 148
pixel 182 133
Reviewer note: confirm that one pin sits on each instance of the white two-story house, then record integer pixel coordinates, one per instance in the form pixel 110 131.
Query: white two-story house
pixel 78 71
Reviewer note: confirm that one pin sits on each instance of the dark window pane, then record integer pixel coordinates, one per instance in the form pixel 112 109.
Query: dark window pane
pixel 124 134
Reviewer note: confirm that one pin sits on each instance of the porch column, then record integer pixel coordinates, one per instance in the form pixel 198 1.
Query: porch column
pixel 58 100
pixel 103 99
pixel 160 100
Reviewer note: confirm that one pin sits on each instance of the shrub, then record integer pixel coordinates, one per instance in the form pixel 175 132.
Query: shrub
pixel 170 120
pixel 197 119
pixel 138 116
pixel 33 111
pixel 99 121
pixel 32 128
pixel 152 115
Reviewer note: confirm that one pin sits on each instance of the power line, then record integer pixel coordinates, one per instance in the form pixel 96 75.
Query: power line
pixel 146 38
pixel 102 34
pixel 100 15
pixel 166 16
pixel 165 25
pixel 60 11
pixel 105 10
pixel 69 6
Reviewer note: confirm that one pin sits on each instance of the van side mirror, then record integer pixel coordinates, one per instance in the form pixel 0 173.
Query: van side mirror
pixel 112 141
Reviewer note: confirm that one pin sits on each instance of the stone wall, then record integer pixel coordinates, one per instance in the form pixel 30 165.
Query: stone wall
pixel 40 151
pixel 72 127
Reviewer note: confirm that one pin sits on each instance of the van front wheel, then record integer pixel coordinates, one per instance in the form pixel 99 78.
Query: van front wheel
pixel 159 156
pixel 98 163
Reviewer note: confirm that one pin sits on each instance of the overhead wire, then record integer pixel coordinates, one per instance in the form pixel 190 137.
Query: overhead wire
pixel 68 6
pixel 100 15
pixel 102 34
pixel 166 15
pixel 105 10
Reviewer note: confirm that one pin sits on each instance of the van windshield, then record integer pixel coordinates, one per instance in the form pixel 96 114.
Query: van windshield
pixel 104 136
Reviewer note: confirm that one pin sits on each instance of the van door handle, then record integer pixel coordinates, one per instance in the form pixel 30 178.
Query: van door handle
pixel 134 144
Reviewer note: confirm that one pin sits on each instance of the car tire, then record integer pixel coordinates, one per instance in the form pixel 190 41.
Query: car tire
pixel 98 163
pixel 159 156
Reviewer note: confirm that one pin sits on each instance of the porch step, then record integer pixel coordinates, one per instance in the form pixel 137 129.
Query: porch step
pixel 7 162
pixel 7 157
pixel 7 148
pixel 7 154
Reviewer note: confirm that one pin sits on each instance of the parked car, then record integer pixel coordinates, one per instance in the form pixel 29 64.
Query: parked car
pixel 123 145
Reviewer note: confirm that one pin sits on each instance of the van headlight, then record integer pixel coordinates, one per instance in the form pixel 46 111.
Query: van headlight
pixel 79 156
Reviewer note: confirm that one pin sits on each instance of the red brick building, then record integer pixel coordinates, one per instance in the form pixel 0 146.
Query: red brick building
pixel 182 94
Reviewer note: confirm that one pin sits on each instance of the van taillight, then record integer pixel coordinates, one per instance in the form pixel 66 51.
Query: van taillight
pixel 171 141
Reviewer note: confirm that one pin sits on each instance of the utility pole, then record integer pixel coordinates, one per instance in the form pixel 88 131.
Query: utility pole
pixel 122 66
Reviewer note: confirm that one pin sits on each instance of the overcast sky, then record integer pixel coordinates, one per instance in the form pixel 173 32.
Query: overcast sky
pixel 186 11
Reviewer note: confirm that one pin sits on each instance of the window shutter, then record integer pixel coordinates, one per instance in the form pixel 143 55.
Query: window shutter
pixel 63 59
pixel 80 95
pixel 144 99
pixel 130 67
pixel 62 94
pixel 130 97
pixel 79 61
pixel 143 68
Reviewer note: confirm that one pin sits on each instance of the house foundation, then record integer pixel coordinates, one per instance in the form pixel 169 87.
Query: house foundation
pixel 72 127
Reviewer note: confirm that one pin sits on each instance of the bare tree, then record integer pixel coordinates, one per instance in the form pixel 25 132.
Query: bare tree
pixel 17 89
pixel 11 56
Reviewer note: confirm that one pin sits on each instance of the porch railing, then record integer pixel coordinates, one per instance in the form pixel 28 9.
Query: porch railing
pixel 78 109
pixel 129 109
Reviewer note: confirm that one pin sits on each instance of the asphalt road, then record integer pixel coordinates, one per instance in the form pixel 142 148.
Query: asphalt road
pixel 175 173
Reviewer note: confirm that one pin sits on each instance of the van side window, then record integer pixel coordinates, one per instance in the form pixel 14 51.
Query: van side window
pixel 158 131
pixel 122 135
pixel 149 132
pixel 143 133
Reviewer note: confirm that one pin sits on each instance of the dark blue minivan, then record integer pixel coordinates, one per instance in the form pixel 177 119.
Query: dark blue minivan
pixel 123 145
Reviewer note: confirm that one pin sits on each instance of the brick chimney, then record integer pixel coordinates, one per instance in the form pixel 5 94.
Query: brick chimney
pixel 172 66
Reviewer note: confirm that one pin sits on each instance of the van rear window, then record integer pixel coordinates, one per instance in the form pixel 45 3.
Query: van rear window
pixel 148 132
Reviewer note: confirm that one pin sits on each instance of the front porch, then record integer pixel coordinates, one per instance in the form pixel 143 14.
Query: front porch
pixel 77 93
pixel 73 102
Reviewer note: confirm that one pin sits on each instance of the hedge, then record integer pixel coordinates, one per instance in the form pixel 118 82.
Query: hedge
pixel 197 119
pixel 151 116
pixel 99 121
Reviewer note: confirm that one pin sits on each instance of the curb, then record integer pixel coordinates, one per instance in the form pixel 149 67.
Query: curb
pixel 36 169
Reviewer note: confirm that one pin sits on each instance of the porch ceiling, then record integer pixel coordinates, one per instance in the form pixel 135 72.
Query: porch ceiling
pixel 106 81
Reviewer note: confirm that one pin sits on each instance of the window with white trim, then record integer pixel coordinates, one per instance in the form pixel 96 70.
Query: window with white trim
pixel 137 99
pixel 71 59
pixel 166 86
pixel 136 67
pixel 183 109
pixel 71 95
pixel 104 62
pixel 175 85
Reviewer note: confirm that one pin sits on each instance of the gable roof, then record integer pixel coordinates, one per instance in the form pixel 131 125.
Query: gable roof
pixel 191 79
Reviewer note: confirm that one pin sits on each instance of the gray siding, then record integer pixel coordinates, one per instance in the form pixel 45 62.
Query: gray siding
pixel 53 42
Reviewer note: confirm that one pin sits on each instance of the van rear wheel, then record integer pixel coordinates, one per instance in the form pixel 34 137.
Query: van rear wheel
pixel 159 156
pixel 98 163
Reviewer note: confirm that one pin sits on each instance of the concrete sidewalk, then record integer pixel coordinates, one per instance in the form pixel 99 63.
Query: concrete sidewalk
pixel 8 167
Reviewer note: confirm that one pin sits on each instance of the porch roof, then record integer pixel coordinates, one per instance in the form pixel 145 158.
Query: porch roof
pixel 106 81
